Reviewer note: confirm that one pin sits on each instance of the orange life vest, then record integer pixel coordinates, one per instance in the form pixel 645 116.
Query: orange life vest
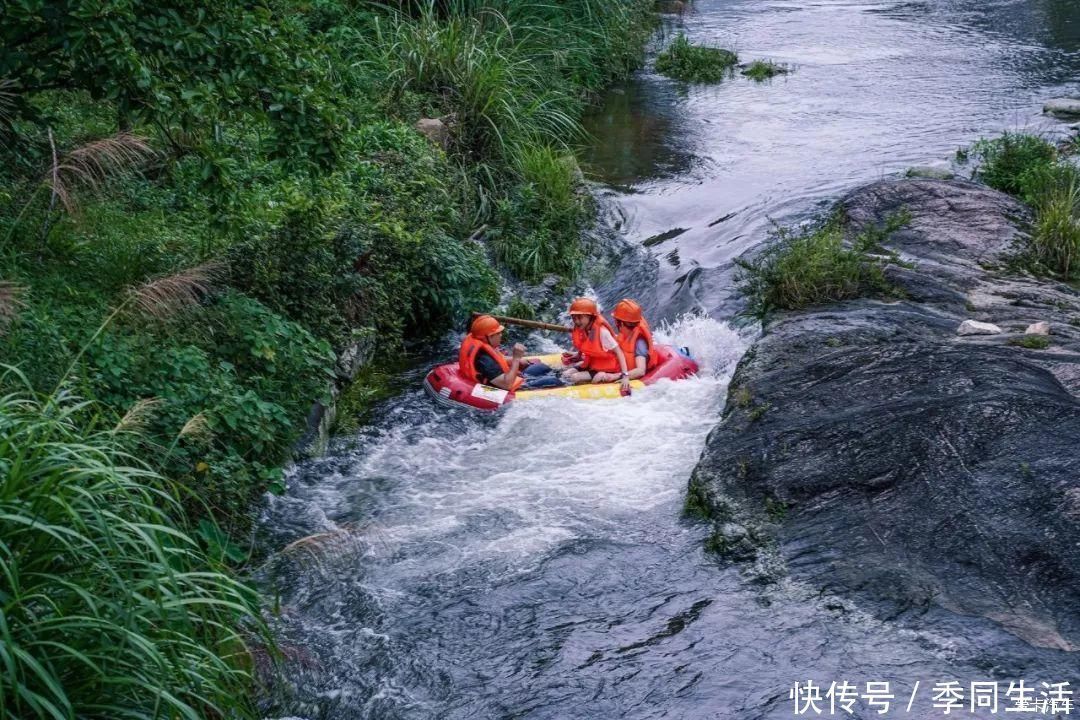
pixel 470 346
pixel 628 342
pixel 595 357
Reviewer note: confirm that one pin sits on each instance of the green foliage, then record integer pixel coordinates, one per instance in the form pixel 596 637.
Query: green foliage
pixel 1029 167
pixel 302 267
pixel 285 147
pixel 542 220
pixel 1007 163
pixel 372 385
pixel 761 70
pixel 510 72
pixel 518 308
pixel 246 372
pixel 500 90
pixel 696 503
pixel 695 63
pixel 1031 342
pixel 1054 245
pixel 181 65
pixel 107 609
pixel 816 266
pixel 776 509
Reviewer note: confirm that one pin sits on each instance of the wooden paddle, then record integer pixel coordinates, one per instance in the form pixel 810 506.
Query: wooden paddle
pixel 534 324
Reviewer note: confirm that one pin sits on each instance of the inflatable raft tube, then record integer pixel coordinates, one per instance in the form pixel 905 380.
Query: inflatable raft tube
pixel 446 385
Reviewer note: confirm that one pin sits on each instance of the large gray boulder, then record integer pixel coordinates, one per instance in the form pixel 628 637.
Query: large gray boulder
pixel 870 450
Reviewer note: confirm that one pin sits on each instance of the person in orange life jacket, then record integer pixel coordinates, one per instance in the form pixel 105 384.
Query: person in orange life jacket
pixel 600 357
pixel 481 361
pixel 634 337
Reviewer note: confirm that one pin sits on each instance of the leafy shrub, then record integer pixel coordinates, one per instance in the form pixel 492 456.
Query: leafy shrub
pixel 695 63
pixel 1007 163
pixel 182 66
pixel 107 610
pixel 815 266
pixel 303 267
pixel 229 387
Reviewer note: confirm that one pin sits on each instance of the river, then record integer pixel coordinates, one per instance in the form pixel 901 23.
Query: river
pixel 442 565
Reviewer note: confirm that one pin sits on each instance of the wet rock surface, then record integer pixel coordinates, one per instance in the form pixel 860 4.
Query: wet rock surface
pixel 869 449
pixel 1064 107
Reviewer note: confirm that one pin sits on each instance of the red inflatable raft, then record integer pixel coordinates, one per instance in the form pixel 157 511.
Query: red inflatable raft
pixel 445 384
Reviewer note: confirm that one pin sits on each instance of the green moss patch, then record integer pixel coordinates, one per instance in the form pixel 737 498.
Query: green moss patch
pixel 1031 342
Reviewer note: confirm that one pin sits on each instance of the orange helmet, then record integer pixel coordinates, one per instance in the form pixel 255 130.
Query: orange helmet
pixel 483 326
pixel 627 311
pixel 584 306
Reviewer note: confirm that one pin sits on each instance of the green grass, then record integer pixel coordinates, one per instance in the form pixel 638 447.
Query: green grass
pixel 1031 342
pixel 761 70
pixel 1030 168
pixel 1007 163
pixel 107 609
pixel 816 266
pixel 501 92
pixel 1054 244
pixel 695 63
pixel 540 223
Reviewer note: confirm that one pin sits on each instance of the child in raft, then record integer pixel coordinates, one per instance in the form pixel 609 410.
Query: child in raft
pixel 599 358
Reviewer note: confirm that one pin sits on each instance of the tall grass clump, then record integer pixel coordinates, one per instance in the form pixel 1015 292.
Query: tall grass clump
pixel 587 43
pixel 695 63
pixel 107 610
pixel 540 221
pixel 817 266
pixel 1032 169
pixel 1054 195
pixel 1007 163
pixel 501 93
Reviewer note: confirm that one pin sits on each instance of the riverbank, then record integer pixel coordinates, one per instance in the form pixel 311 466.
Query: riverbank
pixel 872 450
pixel 201 244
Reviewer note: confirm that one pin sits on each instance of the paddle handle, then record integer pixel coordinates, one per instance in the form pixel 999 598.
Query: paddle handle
pixel 534 324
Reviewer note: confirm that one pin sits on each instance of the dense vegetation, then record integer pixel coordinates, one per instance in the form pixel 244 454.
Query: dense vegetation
pixel 685 61
pixel 817 265
pixel 107 609
pixel 1046 178
pixel 199 206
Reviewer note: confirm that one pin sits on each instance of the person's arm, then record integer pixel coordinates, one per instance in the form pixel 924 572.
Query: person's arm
pixel 624 377
pixel 640 359
pixel 507 379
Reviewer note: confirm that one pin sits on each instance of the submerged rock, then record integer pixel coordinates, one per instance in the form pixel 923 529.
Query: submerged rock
pixel 1063 107
pixel 902 464
pixel 930 171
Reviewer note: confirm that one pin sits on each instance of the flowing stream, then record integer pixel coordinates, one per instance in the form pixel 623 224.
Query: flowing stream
pixel 444 565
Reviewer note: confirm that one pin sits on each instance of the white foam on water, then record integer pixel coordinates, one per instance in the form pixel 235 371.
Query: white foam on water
pixel 548 471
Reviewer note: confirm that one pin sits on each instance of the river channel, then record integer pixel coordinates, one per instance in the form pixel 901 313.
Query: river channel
pixel 538 564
